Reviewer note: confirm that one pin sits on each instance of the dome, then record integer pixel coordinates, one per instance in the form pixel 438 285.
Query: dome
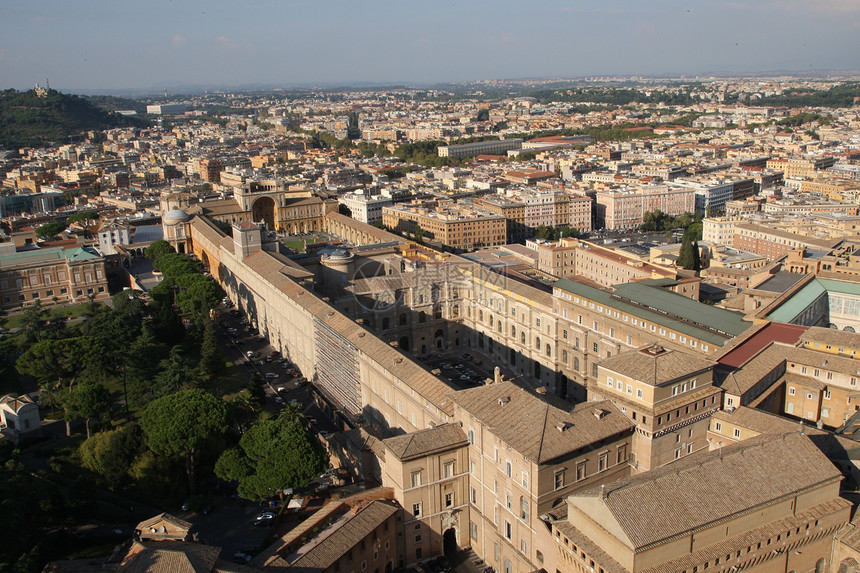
pixel 174 216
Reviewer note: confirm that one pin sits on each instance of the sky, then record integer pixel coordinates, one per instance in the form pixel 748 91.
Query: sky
pixel 91 45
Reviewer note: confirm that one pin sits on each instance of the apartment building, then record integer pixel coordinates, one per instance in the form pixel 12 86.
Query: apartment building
pixel 800 168
pixel 491 147
pixel 429 473
pixel 364 207
pixel 696 514
pixel 624 208
pixel 669 395
pixel 576 258
pixel 526 454
pixel 774 243
pixel 451 227
pixel 719 230
pixel 596 324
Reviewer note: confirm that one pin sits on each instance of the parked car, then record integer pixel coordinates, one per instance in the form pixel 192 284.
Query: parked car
pixel 271 375
pixel 268 516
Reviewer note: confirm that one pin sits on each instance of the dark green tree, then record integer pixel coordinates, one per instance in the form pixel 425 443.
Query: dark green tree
pixel 49 230
pixel 211 355
pixel 273 455
pixel 90 399
pixel 353 130
pixel 176 372
pixel 697 257
pixel 181 423
pixel 86 218
pixel 111 454
pixel 157 249
pixel 685 255
pixel 56 365
pixel 198 294
pixel 483 115
pixel 344 210
pixel 144 357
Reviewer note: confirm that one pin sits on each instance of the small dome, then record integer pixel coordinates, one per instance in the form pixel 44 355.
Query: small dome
pixel 339 254
pixel 175 216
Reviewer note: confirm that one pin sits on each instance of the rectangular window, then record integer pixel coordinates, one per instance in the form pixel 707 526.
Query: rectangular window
pixel 718 426
pixel 416 509
pixel 737 433
pixel 509 530
pixel 639 392
pixel 448 469
pixel 449 500
pixel 602 462
pixel 524 546
pixel 473 495
pixel 474 530
pixel 416 479
pixel 559 479
pixel 791 391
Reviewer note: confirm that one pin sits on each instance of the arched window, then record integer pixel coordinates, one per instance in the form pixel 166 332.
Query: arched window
pixel 548 350
pixel 422 317
pixel 513 331
pixel 480 316
pixel 522 338
pixel 537 343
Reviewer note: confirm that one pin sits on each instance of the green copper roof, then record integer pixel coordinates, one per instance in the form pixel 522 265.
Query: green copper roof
pixel 674 304
pixel 800 301
pixel 673 312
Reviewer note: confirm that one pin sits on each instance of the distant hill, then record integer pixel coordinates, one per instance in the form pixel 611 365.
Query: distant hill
pixel 30 120
pixel 113 103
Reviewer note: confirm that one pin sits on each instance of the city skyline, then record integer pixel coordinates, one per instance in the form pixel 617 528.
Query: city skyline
pixel 93 45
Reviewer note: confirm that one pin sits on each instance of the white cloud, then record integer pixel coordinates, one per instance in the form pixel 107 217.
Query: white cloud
pixel 234 45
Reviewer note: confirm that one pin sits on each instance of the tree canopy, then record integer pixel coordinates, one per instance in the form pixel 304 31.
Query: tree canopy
pixel 49 230
pixel 272 455
pixel 180 423
pixel 158 248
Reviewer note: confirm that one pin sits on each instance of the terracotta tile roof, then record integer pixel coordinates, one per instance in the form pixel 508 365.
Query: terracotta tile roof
pixel 822 360
pixel 538 426
pixel 334 545
pixel 591 549
pixel 742 380
pixel 169 557
pixel 656 365
pixel 166 517
pixel 765 468
pixel 424 442
pixel 750 538
pixel 832 337
pixel 15 404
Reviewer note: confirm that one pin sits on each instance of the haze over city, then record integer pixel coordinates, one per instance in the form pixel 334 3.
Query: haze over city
pixel 95 45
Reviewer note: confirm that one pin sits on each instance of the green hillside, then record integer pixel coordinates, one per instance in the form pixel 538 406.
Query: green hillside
pixel 28 120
